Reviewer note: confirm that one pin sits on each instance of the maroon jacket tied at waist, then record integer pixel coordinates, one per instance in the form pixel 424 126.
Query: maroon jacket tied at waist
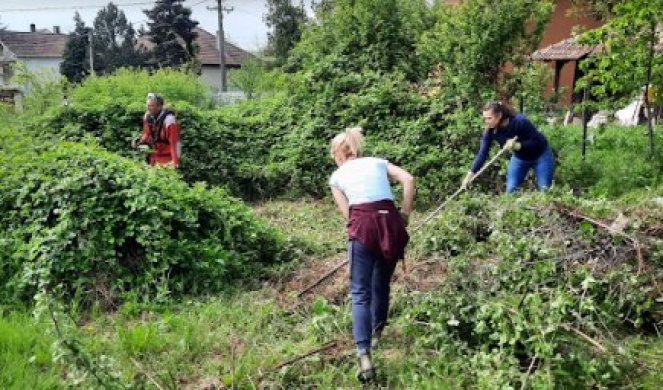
pixel 379 226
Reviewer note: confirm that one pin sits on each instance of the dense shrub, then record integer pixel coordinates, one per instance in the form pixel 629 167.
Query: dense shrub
pixel 617 160
pixel 534 297
pixel 76 218
pixel 356 65
pixel 130 87
pixel 470 44
pixel 228 147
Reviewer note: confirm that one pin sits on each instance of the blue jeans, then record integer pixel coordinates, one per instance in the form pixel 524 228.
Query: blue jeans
pixel 543 170
pixel 370 276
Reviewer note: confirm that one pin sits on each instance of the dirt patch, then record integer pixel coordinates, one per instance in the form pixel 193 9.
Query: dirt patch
pixel 418 275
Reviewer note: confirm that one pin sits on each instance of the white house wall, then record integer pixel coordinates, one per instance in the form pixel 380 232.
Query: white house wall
pixel 40 64
pixel 210 75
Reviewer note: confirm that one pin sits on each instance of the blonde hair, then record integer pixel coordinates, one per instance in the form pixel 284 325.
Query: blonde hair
pixel 348 143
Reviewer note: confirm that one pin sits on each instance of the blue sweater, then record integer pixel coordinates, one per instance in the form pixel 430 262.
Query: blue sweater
pixel 532 142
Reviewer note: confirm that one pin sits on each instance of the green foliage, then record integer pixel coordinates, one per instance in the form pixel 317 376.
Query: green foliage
pixel 75 59
pixel 628 59
pixel 616 162
pixel 526 84
pixel 229 147
pixel 171 30
pixel 255 80
pixel 130 87
pixel 43 88
pixel 114 41
pixel 360 35
pixel 25 355
pixel 80 220
pixel 522 281
pixel 358 65
pixel 595 8
pixel 285 22
pixel 472 42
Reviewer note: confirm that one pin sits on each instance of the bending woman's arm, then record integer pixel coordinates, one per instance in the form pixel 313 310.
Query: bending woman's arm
pixel 482 154
pixel 402 176
pixel 341 202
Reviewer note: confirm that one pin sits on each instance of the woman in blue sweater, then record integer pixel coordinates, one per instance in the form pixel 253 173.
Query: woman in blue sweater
pixel 517 134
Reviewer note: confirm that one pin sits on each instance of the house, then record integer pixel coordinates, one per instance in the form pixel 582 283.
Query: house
pixel 37 49
pixel 209 58
pixel 208 55
pixel 41 49
pixel 558 49
pixel 565 57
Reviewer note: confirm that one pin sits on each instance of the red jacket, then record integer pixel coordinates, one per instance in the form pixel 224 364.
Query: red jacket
pixel 163 135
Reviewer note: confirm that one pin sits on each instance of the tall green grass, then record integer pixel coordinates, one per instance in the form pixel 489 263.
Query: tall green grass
pixel 25 355
pixel 617 159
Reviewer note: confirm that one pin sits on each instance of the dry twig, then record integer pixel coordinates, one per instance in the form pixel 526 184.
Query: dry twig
pixel 147 374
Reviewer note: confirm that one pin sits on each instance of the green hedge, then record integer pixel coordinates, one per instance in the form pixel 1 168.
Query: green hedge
pixel 278 146
pixel 617 160
pixel 76 218
pixel 219 147
pixel 524 280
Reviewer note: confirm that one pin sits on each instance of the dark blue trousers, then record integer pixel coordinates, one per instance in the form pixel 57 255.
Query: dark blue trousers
pixel 370 278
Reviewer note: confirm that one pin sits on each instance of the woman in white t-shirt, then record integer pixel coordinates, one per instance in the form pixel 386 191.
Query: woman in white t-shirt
pixel 376 232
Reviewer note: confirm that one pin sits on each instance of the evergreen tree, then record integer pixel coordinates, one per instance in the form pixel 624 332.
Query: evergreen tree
pixel 114 41
pixel 171 30
pixel 286 22
pixel 75 65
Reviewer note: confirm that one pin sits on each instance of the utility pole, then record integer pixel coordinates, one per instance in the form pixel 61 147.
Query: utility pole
pixel 221 41
pixel 89 38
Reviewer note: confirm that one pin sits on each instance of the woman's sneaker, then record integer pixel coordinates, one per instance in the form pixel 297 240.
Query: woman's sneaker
pixel 366 371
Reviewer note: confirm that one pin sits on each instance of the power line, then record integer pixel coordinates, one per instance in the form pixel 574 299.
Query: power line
pixel 198 3
pixel 75 7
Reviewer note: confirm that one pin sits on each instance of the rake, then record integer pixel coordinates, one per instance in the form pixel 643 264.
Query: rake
pixel 426 220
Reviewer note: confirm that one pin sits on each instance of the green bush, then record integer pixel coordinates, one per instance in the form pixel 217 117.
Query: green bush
pixel 129 87
pixel 25 355
pixel 523 279
pixel 78 219
pixel 228 147
pixel 356 65
pixel 617 160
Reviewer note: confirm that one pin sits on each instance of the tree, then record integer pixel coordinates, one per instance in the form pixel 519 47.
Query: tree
pixel 322 6
pixel 471 43
pixel 285 22
pixel 114 41
pixel 629 60
pixel 363 35
pixel 76 65
pixel 171 30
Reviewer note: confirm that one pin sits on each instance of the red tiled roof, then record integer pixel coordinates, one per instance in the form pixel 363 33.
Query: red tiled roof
pixel 34 44
pixel 568 50
pixel 564 50
pixel 208 52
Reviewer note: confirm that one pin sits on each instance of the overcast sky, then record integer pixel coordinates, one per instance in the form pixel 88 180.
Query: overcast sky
pixel 243 26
